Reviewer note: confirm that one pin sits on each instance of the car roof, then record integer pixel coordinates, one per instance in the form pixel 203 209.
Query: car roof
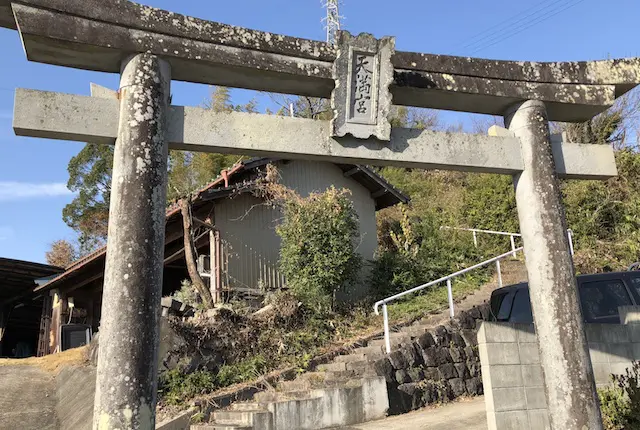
pixel 591 277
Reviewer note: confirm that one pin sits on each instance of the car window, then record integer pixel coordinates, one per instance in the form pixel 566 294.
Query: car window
pixel 600 300
pixel 505 307
pixel 635 284
pixel 521 309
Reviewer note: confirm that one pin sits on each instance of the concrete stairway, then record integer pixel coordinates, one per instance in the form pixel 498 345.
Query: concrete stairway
pixel 316 400
pixel 353 388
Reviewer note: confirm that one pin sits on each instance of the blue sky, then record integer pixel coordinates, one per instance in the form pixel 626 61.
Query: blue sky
pixel 33 171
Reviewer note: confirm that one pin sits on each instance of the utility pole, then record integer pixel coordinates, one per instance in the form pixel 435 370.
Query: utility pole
pixel 332 21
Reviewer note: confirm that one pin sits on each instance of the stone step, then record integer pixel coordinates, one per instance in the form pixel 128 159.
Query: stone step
pixel 332 367
pixel 311 380
pixel 414 330
pixel 369 350
pixel 350 358
pixel 278 396
pixel 215 426
pixel 295 385
pixel 235 417
pixel 247 407
pixel 393 341
pixel 329 376
pixel 360 368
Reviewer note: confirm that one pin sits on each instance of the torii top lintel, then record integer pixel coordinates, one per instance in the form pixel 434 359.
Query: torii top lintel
pixel 99 34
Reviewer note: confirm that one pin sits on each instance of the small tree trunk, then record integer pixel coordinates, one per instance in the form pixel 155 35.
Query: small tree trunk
pixel 190 255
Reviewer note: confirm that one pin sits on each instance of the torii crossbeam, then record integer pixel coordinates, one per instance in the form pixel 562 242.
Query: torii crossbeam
pixel 362 75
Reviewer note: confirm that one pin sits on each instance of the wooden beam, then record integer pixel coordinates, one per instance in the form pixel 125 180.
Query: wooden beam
pixel 204 223
pixel 351 172
pixel 379 193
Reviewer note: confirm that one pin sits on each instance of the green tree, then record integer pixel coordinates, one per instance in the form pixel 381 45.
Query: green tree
pixel 90 178
pixel 603 129
pixel 197 169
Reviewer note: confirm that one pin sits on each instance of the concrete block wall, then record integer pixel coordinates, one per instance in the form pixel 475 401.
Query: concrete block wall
pixel 512 376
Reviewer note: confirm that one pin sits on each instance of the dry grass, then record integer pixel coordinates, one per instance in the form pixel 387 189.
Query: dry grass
pixel 50 363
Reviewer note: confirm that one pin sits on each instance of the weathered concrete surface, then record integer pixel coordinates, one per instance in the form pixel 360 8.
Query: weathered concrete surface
pixel 136 16
pixel 572 102
pixel 75 391
pixel 180 422
pixel 6 15
pixel 96 35
pixel 71 117
pixel 27 398
pixel 512 374
pixel 341 402
pixel 361 100
pixel 620 72
pixel 569 382
pixel 467 414
pixel 129 331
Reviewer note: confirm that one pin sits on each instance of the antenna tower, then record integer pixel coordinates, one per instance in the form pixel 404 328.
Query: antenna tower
pixel 332 21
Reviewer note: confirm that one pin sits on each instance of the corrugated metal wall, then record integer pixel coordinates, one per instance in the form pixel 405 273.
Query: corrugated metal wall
pixel 247 226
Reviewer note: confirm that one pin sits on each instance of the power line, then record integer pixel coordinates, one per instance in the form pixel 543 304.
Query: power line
pixel 512 21
pixel 526 27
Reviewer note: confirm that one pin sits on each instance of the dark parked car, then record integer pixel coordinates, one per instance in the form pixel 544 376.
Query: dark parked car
pixel 600 296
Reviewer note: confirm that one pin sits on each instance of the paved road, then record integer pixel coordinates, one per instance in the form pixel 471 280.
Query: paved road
pixel 467 414
pixel 27 399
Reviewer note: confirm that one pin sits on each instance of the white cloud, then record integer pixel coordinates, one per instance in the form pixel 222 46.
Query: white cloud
pixel 23 190
pixel 6 232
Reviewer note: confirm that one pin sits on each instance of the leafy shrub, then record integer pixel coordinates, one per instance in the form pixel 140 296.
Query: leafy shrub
pixel 175 385
pixel 614 407
pixel 188 295
pixel 318 250
pixel 246 370
pixel 419 252
pixel 620 404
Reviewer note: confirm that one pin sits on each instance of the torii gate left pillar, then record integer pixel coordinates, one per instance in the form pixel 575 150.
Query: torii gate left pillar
pixel 126 386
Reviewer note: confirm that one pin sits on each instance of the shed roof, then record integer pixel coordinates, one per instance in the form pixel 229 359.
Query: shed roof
pixel 382 192
pixel 18 278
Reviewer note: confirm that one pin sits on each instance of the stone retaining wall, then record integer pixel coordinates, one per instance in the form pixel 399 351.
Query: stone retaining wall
pixel 440 365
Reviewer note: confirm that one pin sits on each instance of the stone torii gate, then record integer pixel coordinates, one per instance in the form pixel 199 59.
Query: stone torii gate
pixel 362 75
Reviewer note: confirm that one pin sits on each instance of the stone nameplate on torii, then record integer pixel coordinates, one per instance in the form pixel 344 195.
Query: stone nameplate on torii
pixel 362 75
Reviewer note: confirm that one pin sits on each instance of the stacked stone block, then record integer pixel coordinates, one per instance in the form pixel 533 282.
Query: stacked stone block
pixel 437 366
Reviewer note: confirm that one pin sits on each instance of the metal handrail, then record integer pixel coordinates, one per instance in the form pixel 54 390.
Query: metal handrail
pixel 512 236
pixel 478 230
pixel 446 279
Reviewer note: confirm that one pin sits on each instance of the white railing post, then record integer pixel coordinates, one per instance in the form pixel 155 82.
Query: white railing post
pixel 385 317
pixel 570 237
pixel 450 296
pixel 475 239
pixel 499 273
pixel 513 245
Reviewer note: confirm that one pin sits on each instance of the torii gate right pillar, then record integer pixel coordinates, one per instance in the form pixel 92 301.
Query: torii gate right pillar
pixel 564 354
